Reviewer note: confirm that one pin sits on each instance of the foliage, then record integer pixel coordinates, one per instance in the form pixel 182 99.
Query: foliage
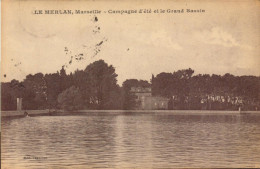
pixel 101 81
pixel 70 99
pixel 96 87
pixel 188 91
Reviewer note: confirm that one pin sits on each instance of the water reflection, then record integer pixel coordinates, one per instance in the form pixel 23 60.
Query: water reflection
pixel 131 140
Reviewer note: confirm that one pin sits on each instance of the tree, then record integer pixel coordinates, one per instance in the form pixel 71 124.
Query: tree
pixel 129 98
pixel 172 84
pixel 101 82
pixel 115 100
pixel 65 80
pixel 53 89
pixel 70 99
pixel 34 93
pixel 8 102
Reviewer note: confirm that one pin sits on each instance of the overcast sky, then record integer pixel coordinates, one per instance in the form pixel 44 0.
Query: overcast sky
pixel 223 39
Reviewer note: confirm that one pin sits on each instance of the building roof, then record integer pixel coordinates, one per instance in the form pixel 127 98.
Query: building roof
pixel 141 90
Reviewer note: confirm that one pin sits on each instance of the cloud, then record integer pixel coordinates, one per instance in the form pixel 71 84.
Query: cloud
pixel 159 39
pixel 162 38
pixel 217 36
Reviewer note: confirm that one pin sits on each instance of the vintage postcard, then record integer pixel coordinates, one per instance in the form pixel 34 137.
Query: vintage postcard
pixel 130 84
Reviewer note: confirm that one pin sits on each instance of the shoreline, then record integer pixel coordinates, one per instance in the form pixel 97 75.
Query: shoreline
pixel 33 113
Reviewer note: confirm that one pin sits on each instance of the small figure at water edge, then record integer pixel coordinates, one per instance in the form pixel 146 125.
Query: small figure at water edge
pixel 26 114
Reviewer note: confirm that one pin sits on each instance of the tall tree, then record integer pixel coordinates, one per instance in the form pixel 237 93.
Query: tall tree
pixel 101 81
pixel 53 86
pixel 34 95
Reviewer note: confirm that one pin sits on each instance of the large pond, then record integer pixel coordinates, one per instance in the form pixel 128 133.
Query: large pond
pixel 131 141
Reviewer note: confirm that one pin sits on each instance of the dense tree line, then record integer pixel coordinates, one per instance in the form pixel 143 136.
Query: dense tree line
pixel 93 88
pixel 96 87
pixel 215 92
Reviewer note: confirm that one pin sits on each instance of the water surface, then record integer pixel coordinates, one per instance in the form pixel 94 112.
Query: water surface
pixel 131 141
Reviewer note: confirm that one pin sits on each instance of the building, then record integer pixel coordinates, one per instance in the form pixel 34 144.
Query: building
pixel 141 92
pixel 146 101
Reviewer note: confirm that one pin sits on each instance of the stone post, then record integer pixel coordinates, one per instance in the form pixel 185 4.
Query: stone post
pixel 19 104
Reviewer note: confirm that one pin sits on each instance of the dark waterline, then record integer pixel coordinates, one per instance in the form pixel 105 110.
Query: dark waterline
pixel 137 140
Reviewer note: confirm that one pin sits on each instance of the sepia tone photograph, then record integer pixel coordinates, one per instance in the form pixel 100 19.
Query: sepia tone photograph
pixel 132 84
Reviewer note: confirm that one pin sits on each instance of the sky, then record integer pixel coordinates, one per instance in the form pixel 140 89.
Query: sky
pixel 223 39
